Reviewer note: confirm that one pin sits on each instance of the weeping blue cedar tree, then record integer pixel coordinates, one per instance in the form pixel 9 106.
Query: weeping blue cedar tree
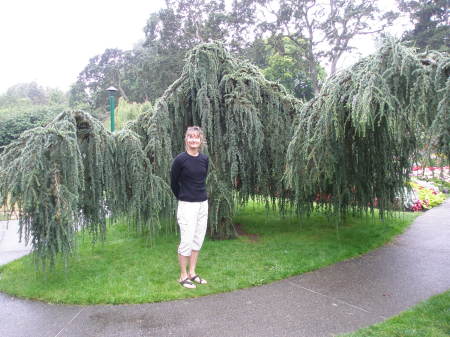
pixel 355 142
pixel 73 174
pixel 247 121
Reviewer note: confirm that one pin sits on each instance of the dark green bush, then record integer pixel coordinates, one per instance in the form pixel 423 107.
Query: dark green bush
pixel 13 124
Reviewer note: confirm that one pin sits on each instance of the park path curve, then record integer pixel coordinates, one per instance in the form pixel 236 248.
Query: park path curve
pixel 340 298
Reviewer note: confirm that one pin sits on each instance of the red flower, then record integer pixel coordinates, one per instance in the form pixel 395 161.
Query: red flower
pixel 417 206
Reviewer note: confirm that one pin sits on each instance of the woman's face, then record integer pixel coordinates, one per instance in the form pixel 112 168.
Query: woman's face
pixel 193 140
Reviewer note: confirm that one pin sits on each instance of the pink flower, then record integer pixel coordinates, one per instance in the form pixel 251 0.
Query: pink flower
pixel 417 206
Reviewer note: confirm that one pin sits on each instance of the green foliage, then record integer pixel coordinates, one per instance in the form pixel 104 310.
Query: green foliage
pixel 442 184
pixel 355 141
pixel 436 125
pixel 431 23
pixel 428 197
pixel 286 64
pixel 307 23
pixel 440 129
pixel 102 71
pixel 26 95
pixel 25 106
pixel 15 120
pixel 31 92
pixel 145 72
pixel 245 118
pixel 126 112
pixel 72 175
pixel 148 72
pixel 42 179
pixel 184 24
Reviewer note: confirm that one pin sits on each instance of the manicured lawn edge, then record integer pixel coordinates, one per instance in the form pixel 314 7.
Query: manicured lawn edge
pixel 430 318
pixel 126 269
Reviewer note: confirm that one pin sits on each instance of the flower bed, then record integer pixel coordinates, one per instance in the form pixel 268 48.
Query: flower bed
pixel 432 172
pixel 429 187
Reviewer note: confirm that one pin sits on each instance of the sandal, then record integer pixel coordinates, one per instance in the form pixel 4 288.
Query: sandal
pixel 187 283
pixel 198 279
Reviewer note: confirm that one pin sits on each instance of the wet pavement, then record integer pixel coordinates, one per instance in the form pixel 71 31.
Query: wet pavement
pixel 10 247
pixel 340 298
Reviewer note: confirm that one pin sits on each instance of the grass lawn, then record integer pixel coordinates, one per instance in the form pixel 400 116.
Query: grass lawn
pixel 428 319
pixel 126 269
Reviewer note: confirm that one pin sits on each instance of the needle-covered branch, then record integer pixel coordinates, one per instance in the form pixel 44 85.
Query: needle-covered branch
pixel 356 141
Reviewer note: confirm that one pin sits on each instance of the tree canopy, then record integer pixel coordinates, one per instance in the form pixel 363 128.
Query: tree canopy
pixel 241 114
pixel 431 23
pixel 355 142
pixel 349 148
pixel 146 71
pixel 73 174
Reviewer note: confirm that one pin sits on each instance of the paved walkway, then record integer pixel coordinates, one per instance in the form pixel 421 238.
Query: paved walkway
pixel 340 298
pixel 10 248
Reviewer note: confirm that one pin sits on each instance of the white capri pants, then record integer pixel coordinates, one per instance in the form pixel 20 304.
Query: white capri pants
pixel 192 218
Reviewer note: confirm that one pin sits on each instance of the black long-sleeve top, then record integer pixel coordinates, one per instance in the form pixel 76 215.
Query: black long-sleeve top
pixel 188 177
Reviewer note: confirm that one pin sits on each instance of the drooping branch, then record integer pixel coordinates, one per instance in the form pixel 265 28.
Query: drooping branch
pixel 355 142
pixel 247 121
pixel 72 175
pixel 351 147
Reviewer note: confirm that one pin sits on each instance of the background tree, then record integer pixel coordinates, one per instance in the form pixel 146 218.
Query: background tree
pixel 174 30
pixel 143 80
pixel 320 31
pixel 33 92
pixel 145 72
pixel 431 30
pixel 348 19
pixel 431 23
pixel 135 73
pixel 102 71
pixel 323 30
pixel 184 24
pixel 27 105
pixel 79 97
pixel 284 62
pixel 14 124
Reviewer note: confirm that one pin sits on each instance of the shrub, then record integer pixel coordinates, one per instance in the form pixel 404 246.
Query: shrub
pixel 12 125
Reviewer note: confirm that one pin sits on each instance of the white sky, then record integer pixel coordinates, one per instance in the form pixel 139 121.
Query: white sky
pixel 51 41
pixel 366 45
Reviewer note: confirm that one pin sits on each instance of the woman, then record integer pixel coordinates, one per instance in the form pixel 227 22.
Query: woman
pixel 188 183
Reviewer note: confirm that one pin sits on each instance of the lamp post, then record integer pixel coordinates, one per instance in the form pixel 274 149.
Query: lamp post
pixel 112 105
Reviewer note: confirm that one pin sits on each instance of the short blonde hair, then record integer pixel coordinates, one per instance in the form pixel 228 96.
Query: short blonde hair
pixel 195 129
